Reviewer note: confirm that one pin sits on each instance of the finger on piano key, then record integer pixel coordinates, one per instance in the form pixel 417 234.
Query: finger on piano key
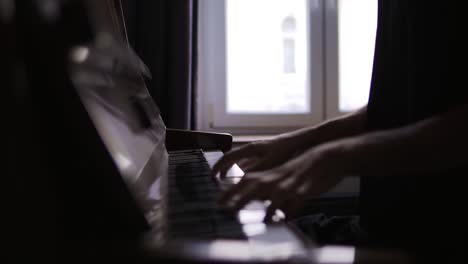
pixel 233 175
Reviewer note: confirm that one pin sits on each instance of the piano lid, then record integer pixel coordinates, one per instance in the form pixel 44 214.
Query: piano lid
pixel 108 76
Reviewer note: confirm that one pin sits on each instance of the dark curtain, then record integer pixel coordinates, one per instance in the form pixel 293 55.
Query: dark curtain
pixel 163 33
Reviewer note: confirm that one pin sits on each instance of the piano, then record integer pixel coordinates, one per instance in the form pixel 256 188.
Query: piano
pixel 167 172
pixel 125 187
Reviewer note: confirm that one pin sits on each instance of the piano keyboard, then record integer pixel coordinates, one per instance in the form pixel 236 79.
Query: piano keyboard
pixel 193 210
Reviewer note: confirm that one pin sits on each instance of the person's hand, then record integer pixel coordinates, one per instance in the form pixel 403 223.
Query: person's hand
pixel 285 186
pixel 256 156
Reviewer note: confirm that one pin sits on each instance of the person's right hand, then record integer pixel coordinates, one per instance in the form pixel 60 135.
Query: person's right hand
pixel 265 155
pixel 258 156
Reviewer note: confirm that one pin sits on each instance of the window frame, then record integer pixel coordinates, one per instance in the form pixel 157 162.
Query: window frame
pixel 212 104
pixel 331 59
pixel 332 55
pixel 323 72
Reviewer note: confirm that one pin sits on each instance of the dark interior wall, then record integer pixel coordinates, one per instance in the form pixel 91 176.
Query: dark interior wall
pixel 163 33
pixel 129 11
pixel 145 22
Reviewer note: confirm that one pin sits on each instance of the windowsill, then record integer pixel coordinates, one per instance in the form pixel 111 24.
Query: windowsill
pixel 240 139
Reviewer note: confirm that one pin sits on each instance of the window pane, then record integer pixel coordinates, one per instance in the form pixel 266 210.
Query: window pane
pixel 267 57
pixel 357 28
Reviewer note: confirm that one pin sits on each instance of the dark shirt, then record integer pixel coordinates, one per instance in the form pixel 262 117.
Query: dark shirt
pixel 417 74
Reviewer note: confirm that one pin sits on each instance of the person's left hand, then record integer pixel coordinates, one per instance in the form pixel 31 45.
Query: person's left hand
pixel 287 185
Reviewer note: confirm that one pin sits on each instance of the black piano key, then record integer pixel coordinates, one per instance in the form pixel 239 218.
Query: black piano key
pixel 193 209
pixel 192 219
pixel 190 230
pixel 193 189
pixel 188 173
pixel 221 218
pixel 186 158
pixel 201 214
pixel 191 167
pixel 184 152
pixel 205 196
pixel 185 162
pixel 192 180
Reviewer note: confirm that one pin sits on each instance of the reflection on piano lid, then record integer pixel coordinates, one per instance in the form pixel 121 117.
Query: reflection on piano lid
pixel 125 117
pixel 174 191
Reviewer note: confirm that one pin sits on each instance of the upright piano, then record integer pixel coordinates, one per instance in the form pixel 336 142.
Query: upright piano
pixel 122 185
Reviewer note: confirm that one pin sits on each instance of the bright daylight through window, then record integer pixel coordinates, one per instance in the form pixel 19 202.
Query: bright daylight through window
pixel 283 63
pixel 267 56
pixel 357 26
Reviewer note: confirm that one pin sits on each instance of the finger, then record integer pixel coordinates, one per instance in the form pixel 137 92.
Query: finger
pixel 266 162
pixel 303 189
pixel 239 199
pixel 320 185
pixel 294 193
pixel 230 158
pixel 275 204
pixel 235 189
pixel 279 197
pixel 222 172
pixel 247 162
pixel 260 165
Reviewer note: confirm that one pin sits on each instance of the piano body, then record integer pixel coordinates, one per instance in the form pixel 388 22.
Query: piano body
pixel 123 186
pixel 167 171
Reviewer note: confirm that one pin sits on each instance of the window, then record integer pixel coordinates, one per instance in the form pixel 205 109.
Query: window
pixel 271 66
pixel 350 53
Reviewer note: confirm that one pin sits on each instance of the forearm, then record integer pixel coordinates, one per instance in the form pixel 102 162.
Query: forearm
pixel 345 126
pixel 437 143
